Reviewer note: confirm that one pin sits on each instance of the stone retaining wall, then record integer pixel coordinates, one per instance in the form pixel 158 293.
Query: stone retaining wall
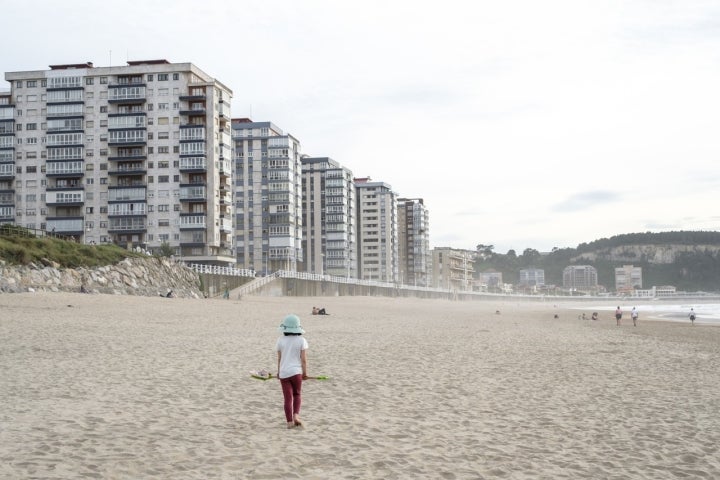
pixel 133 276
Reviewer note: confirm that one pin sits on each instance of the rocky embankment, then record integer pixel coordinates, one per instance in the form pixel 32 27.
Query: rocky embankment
pixel 133 276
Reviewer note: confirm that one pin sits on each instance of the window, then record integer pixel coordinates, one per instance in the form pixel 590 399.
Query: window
pixel 18 127
pixel 88 209
pixel 89 181
pixel 103 109
pixel 103 166
pixel 163 208
pixel 31 169
pixel 103 80
pixel 89 124
pixel 18 84
pixel 162 77
pixel 103 210
pixel 163 135
pixel 176 76
pixel 31 83
pixel 31 126
pixel 103 181
pixel 163 106
pixel 164 179
pixel 163 92
pixel 176 178
pixel 89 81
pixel 150 77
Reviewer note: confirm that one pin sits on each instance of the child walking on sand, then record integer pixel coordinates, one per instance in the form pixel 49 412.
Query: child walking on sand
pixel 291 348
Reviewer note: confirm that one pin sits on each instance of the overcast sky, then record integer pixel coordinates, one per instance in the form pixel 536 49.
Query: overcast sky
pixel 522 124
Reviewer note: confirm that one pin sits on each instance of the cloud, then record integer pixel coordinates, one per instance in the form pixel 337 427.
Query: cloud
pixel 586 201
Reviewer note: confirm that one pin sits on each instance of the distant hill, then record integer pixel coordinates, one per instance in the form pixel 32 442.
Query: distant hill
pixel 688 260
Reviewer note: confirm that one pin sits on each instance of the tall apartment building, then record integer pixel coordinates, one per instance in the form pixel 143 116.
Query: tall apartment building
pixel 628 278
pixel 580 276
pixel 415 257
pixel 136 155
pixel 267 197
pixel 377 231
pixel 453 268
pixel 329 227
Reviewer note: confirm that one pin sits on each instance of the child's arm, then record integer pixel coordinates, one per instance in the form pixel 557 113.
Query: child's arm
pixel 278 369
pixel 303 362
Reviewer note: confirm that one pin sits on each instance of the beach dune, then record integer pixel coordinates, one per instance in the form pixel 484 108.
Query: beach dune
pixel 101 386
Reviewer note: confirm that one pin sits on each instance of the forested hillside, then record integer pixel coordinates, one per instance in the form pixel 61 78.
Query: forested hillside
pixel 688 260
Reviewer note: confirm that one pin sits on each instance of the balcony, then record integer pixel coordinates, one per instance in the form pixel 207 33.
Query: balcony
pixel 71 169
pixel 127 209
pixel 7 170
pixel 65 225
pixel 193 97
pixel 129 169
pixel 127 225
pixel 193 193
pixel 195 111
pixel 193 221
pixel 193 164
pixel 225 225
pixel 126 194
pixel 7 214
pixel 126 94
pixel 65 197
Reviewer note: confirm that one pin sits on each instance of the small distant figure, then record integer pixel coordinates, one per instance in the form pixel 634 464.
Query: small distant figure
pixel 169 294
pixel 691 316
pixel 226 294
pixel 584 317
pixel 319 311
pixel 83 289
pixel 594 316
pixel 497 312
pixel 618 315
pixel 634 316
pixel 556 316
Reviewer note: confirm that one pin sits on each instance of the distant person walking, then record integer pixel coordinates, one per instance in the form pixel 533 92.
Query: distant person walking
pixel 618 315
pixel 634 316
pixel 691 316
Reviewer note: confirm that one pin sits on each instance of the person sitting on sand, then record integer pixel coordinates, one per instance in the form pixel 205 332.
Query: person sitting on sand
pixel 594 316
pixel 319 311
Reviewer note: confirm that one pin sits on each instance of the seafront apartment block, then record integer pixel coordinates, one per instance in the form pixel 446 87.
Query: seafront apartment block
pixel 414 242
pixel 267 197
pixel 329 228
pixel 377 231
pixel 136 155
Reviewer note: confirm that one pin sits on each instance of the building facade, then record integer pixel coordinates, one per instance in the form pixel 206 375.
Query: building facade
pixel 580 277
pixel 532 277
pixel 136 155
pixel 329 227
pixel 377 231
pixel 628 278
pixel 415 257
pixel 267 197
pixel 453 269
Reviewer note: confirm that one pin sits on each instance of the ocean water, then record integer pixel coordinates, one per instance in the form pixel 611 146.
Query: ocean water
pixel 705 313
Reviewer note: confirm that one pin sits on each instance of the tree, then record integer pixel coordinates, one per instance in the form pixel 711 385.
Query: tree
pixel 165 250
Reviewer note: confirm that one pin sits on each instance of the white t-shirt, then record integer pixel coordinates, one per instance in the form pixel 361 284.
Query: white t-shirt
pixel 290 347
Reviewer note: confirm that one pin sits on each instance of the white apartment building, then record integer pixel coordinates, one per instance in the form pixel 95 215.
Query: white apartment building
pixel 415 257
pixel 136 155
pixel 329 213
pixel 377 231
pixel 267 197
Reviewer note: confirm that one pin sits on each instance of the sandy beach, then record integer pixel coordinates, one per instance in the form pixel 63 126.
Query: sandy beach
pixel 122 387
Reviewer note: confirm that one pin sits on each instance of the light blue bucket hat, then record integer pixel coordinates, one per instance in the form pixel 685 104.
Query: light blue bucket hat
pixel 291 324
